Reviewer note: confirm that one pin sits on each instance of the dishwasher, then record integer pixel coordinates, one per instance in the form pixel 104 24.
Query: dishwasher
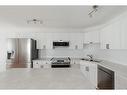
pixel 105 78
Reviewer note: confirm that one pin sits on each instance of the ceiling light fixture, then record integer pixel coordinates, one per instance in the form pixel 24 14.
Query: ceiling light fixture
pixel 95 9
pixel 34 21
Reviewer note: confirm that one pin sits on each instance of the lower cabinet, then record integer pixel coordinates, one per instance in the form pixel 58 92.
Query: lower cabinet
pixel 41 64
pixel 120 81
pixel 89 69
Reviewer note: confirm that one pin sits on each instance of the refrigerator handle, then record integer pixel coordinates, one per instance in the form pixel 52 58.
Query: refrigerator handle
pixel 12 54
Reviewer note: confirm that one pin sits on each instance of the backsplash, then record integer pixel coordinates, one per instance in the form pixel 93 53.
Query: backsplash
pixel 117 56
pixel 60 53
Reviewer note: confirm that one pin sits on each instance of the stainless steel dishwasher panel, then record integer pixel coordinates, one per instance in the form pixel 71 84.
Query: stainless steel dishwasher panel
pixel 105 78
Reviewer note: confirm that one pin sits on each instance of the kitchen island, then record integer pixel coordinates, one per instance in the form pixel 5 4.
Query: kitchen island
pixel 46 78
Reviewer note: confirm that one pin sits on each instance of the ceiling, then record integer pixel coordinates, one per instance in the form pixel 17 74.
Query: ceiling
pixel 58 16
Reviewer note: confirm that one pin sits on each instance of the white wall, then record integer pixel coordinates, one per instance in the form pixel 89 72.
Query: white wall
pixel 116 56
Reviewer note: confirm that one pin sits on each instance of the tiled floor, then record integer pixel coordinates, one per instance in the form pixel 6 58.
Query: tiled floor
pixel 57 78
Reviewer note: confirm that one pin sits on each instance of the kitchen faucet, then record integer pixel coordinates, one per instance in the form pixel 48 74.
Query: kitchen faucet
pixel 90 57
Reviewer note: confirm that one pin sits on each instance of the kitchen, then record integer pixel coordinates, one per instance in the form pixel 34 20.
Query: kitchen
pixel 75 48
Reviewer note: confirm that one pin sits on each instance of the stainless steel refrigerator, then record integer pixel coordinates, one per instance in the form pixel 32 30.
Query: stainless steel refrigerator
pixel 21 52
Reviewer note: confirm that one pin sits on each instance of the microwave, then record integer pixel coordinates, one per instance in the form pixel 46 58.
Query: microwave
pixel 60 44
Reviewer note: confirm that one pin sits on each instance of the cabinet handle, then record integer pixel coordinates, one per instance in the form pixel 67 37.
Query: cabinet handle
pixel 87 68
pixel 41 66
pixel 76 47
pixel 107 46
pixel 91 42
pixel 44 46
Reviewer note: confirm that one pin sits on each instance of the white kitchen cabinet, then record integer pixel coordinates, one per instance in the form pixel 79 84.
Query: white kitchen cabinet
pixel 123 26
pixel 110 37
pixel 84 66
pixel 41 41
pixel 76 41
pixel 120 81
pixel 89 69
pixel 93 73
pixel 41 44
pixel 75 61
pixel 92 37
pixel 41 64
pixel 37 64
pixel 49 41
pixel 44 41
pixel 60 36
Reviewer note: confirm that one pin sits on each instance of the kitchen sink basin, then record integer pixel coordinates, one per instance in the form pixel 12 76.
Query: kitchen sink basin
pixel 94 60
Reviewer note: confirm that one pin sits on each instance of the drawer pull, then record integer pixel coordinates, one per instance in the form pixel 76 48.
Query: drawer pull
pixel 41 66
pixel 87 68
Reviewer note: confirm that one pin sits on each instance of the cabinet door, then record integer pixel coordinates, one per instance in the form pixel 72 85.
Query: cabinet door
pixel 89 70
pixel 49 41
pixel 36 64
pixel 123 26
pixel 110 37
pixel 87 37
pixel 115 37
pixel 85 71
pixel 93 74
pixel 92 37
pixel 41 41
pixel 120 81
pixel 39 46
pixel 105 38
pixel 84 66
pixel 76 41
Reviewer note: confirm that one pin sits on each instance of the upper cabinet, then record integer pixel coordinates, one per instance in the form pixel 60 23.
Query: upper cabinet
pixel 110 37
pixel 123 34
pixel 114 35
pixel 76 41
pixel 45 40
pixel 92 37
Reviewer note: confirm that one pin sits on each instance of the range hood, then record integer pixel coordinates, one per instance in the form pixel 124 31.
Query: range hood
pixel 60 43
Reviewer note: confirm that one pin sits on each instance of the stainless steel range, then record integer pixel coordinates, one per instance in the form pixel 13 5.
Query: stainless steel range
pixel 60 62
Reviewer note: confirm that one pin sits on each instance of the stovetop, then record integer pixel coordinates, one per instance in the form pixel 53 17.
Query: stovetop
pixel 60 60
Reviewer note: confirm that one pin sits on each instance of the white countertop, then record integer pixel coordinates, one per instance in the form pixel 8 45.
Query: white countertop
pixel 48 59
pixel 117 68
pixel 57 78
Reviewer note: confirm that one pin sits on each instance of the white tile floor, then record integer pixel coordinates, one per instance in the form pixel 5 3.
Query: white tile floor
pixel 57 78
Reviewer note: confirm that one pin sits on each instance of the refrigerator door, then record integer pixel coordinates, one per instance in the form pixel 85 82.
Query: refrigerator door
pixel 12 50
pixel 24 52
